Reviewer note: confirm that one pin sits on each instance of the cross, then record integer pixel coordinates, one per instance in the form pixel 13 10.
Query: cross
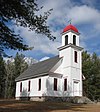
pixel 69 21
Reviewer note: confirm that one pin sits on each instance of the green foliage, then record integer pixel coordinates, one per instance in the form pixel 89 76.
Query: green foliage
pixel 20 64
pixel 91 70
pixel 13 70
pixel 10 79
pixel 2 77
pixel 23 13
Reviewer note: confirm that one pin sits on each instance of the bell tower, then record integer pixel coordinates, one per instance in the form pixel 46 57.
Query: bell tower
pixel 71 51
pixel 70 35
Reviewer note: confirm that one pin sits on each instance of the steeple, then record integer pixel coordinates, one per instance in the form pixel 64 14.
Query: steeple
pixel 70 35
pixel 71 52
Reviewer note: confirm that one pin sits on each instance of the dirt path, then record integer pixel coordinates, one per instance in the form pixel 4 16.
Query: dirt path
pixel 27 106
pixel 83 108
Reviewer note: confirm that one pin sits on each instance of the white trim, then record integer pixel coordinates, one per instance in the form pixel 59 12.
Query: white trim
pixel 70 45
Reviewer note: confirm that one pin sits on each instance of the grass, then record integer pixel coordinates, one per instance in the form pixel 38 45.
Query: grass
pixel 30 106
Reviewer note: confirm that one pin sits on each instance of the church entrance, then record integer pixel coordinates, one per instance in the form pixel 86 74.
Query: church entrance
pixel 76 88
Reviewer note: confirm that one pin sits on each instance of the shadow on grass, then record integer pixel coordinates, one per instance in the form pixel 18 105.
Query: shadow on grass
pixel 29 106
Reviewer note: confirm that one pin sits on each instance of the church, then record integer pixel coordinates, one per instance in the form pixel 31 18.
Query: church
pixel 60 76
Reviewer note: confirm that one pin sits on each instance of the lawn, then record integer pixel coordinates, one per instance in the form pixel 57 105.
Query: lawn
pixel 29 106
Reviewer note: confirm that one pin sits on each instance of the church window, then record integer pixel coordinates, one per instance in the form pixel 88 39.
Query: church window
pixel 66 39
pixel 55 84
pixel 65 84
pixel 75 56
pixel 39 84
pixel 74 39
pixel 29 84
pixel 21 87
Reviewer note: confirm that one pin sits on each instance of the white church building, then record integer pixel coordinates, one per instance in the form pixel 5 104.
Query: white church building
pixel 60 76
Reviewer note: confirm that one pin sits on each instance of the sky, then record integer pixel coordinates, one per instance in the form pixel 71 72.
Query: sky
pixel 85 16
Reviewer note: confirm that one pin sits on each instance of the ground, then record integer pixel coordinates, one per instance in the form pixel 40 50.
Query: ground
pixel 29 106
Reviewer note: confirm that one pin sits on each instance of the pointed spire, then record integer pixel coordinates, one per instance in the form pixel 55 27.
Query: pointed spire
pixel 69 21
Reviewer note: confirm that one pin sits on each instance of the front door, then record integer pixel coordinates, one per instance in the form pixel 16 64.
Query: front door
pixel 76 88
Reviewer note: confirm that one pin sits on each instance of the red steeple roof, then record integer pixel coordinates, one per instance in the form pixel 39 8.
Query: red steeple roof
pixel 70 27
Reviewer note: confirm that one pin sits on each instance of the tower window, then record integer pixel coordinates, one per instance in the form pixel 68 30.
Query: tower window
pixel 39 84
pixel 74 39
pixel 21 87
pixel 55 84
pixel 75 56
pixel 66 39
pixel 29 84
pixel 65 84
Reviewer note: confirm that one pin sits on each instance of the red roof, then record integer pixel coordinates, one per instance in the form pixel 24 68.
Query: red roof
pixel 70 27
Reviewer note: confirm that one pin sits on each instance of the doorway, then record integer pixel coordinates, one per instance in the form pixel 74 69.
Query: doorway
pixel 76 88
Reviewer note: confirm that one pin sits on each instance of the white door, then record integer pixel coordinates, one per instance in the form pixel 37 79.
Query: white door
pixel 76 88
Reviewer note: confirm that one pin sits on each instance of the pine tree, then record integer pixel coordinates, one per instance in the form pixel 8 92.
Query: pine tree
pixel 2 77
pixel 86 65
pixel 20 64
pixel 13 70
pixel 23 13
pixel 95 77
pixel 20 67
pixel 91 71
pixel 10 79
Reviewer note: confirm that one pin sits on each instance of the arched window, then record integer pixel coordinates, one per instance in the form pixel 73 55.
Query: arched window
pixel 66 39
pixel 74 39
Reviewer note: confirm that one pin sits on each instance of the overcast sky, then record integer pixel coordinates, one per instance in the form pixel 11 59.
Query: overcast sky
pixel 85 15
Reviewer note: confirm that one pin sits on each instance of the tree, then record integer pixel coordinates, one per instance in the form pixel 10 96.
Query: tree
pixel 91 70
pixel 86 65
pixel 13 70
pixel 20 67
pixel 20 64
pixel 95 77
pixel 10 79
pixel 23 13
pixel 2 77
